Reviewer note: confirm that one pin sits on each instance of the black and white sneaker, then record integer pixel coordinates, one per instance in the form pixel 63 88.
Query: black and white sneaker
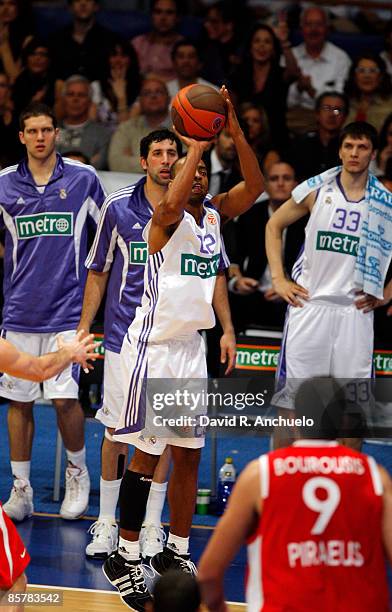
pixel 128 578
pixel 169 559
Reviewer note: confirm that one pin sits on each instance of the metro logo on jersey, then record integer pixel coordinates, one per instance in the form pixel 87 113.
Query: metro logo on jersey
pixel 44 224
pixel 204 267
pixel 138 253
pixel 337 243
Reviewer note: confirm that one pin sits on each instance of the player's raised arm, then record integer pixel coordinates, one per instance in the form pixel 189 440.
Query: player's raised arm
pixel 241 197
pixel 170 210
pixel 284 216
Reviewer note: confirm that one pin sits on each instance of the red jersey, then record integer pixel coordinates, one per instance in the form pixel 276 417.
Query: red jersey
pixel 14 557
pixel 318 544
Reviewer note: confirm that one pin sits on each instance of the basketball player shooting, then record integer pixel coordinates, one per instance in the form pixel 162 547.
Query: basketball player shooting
pixel 182 278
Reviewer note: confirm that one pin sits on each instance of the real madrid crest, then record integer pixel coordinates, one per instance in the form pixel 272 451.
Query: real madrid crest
pixel 63 194
pixel 328 200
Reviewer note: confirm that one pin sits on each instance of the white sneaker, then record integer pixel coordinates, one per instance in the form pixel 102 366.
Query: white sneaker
pixel 152 540
pixel 20 504
pixel 77 489
pixel 105 538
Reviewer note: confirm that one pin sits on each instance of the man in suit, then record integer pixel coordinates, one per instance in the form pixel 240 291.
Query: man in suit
pixel 253 301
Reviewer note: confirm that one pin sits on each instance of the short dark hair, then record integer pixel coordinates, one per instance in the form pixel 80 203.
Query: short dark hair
pixel 359 129
pixel 185 42
pixel 334 94
pixel 176 591
pixel 77 153
pixel 36 109
pixel 158 136
pixel 176 2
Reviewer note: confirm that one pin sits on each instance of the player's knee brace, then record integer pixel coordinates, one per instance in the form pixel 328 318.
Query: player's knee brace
pixel 134 492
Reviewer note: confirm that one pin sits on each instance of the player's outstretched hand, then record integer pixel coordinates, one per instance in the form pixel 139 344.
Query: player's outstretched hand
pixel 204 145
pixel 228 351
pixel 80 349
pixel 232 125
pixel 290 291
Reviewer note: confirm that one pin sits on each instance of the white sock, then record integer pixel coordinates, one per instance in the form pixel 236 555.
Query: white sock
pixel 156 500
pixel 21 469
pixel 77 458
pixel 180 545
pixel 108 497
pixel 129 550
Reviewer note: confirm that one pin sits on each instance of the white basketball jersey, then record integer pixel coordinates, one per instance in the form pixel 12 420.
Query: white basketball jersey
pixel 326 265
pixel 179 281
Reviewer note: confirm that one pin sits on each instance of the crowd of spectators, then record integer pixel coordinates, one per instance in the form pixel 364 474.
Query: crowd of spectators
pixel 294 89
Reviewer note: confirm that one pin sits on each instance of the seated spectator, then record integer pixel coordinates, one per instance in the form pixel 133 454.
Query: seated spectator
pixel 260 78
pixel 386 55
pixel 369 90
pixel 384 152
pixel 124 153
pixel 252 298
pixel 155 47
pixel 36 82
pixel 317 151
pixel 220 41
pixel 15 32
pixel 255 121
pixel 83 46
pixel 119 86
pixel 11 149
pixel 77 131
pixel 323 66
pixel 222 164
pixel 187 65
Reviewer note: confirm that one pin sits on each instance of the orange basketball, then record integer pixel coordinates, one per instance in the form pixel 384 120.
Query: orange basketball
pixel 199 111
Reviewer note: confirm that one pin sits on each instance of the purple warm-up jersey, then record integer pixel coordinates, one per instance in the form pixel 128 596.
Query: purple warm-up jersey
pixel 46 244
pixel 119 246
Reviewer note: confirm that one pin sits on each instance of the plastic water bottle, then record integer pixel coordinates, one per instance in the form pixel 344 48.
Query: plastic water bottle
pixel 226 482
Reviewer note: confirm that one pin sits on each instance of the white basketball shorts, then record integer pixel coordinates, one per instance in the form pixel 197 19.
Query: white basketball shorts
pixel 63 386
pixel 321 340
pixel 176 359
pixel 112 402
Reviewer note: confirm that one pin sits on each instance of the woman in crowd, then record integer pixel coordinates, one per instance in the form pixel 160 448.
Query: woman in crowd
pixel 119 88
pixel 36 82
pixel 255 122
pixel 15 33
pixel 369 90
pixel 385 145
pixel 262 80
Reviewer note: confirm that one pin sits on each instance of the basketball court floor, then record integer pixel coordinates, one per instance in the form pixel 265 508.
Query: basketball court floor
pixel 57 547
pixel 59 566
